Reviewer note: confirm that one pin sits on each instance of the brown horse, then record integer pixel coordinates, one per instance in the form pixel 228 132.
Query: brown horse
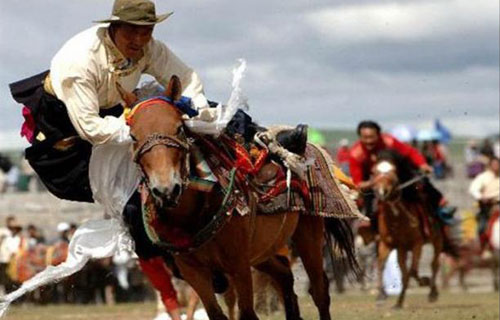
pixel 244 241
pixel 400 227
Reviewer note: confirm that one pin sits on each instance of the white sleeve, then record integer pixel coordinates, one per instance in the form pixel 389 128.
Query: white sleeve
pixel 79 94
pixel 163 64
pixel 476 186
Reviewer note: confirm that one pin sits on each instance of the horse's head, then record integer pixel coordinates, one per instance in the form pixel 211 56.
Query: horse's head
pixel 160 145
pixel 385 179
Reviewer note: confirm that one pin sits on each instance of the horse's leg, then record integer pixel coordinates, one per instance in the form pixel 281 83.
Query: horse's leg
pixel 447 271
pixel 280 271
pixel 242 279
pixel 438 248
pixel 402 254
pixel 261 287
pixel 415 260
pixel 230 299
pixel 192 302
pixel 200 279
pixel 308 239
pixel 383 253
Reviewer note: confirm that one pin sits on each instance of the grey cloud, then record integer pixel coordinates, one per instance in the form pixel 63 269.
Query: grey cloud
pixel 295 73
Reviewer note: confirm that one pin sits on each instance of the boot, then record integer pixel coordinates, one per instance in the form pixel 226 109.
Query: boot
pixel 294 140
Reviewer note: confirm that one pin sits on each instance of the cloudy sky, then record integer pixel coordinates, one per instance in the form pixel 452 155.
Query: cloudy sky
pixel 326 63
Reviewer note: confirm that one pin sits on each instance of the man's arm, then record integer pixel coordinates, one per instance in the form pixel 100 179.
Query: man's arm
pixel 78 92
pixel 411 153
pixel 163 64
pixel 356 170
pixel 476 187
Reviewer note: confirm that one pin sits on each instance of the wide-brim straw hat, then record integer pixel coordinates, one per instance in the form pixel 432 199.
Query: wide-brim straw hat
pixel 138 12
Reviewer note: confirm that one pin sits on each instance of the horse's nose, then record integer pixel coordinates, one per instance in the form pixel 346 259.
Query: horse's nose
pixel 158 192
pixel 176 191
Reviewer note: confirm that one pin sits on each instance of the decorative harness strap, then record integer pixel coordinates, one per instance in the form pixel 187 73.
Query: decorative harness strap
pixel 183 105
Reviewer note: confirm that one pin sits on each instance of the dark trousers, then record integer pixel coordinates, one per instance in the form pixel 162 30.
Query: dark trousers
pixel 132 215
pixel 434 196
pixel 482 217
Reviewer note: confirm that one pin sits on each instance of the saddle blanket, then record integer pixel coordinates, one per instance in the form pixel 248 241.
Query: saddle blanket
pixel 329 198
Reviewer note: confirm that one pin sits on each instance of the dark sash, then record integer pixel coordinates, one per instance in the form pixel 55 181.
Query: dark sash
pixel 63 171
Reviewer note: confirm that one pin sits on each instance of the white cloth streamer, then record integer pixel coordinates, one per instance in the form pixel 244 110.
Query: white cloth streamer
pixel 92 240
pixel 224 113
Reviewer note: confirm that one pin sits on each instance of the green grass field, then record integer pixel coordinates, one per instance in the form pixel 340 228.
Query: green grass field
pixel 452 306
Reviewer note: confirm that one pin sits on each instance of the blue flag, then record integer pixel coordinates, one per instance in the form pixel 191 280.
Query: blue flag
pixel 445 132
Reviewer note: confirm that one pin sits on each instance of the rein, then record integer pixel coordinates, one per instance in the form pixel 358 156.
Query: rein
pixel 411 181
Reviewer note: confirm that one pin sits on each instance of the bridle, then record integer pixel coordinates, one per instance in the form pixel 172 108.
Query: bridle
pixel 157 139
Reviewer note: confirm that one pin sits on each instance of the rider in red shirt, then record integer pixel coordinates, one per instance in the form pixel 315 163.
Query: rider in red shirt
pixel 363 156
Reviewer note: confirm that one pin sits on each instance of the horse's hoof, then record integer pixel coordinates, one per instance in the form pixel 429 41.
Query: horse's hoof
pixel 424 282
pixel 382 296
pixel 398 306
pixel 433 296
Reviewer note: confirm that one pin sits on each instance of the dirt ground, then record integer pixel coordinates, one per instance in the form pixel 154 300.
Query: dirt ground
pixel 352 306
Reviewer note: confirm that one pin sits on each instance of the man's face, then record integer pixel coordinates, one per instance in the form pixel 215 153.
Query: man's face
pixel 369 138
pixel 131 39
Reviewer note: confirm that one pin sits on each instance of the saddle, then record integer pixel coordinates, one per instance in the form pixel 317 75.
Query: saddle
pixel 255 169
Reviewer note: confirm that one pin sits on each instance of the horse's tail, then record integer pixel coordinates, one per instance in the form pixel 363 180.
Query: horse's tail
pixel 343 244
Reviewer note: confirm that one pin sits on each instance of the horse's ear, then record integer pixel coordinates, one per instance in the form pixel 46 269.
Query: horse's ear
pixel 128 97
pixel 174 89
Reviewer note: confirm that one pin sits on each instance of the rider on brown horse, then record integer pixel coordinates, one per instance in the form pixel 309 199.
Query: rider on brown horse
pixel 364 154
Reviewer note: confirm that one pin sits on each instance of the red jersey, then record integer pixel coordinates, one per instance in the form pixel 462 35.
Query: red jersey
pixel 361 160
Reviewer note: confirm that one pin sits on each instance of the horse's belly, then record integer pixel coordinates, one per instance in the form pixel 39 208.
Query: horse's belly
pixel 270 234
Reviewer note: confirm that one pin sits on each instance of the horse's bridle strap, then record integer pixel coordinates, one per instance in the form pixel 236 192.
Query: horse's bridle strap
pixel 156 139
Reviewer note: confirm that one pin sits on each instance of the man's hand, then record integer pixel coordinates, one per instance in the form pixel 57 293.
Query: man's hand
pixel 425 168
pixel 365 185
pixel 207 114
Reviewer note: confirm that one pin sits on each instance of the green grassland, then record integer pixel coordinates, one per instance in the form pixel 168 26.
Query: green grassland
pixel 353 306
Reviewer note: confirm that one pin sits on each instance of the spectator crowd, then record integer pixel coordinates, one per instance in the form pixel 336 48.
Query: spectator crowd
pixel 25 251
